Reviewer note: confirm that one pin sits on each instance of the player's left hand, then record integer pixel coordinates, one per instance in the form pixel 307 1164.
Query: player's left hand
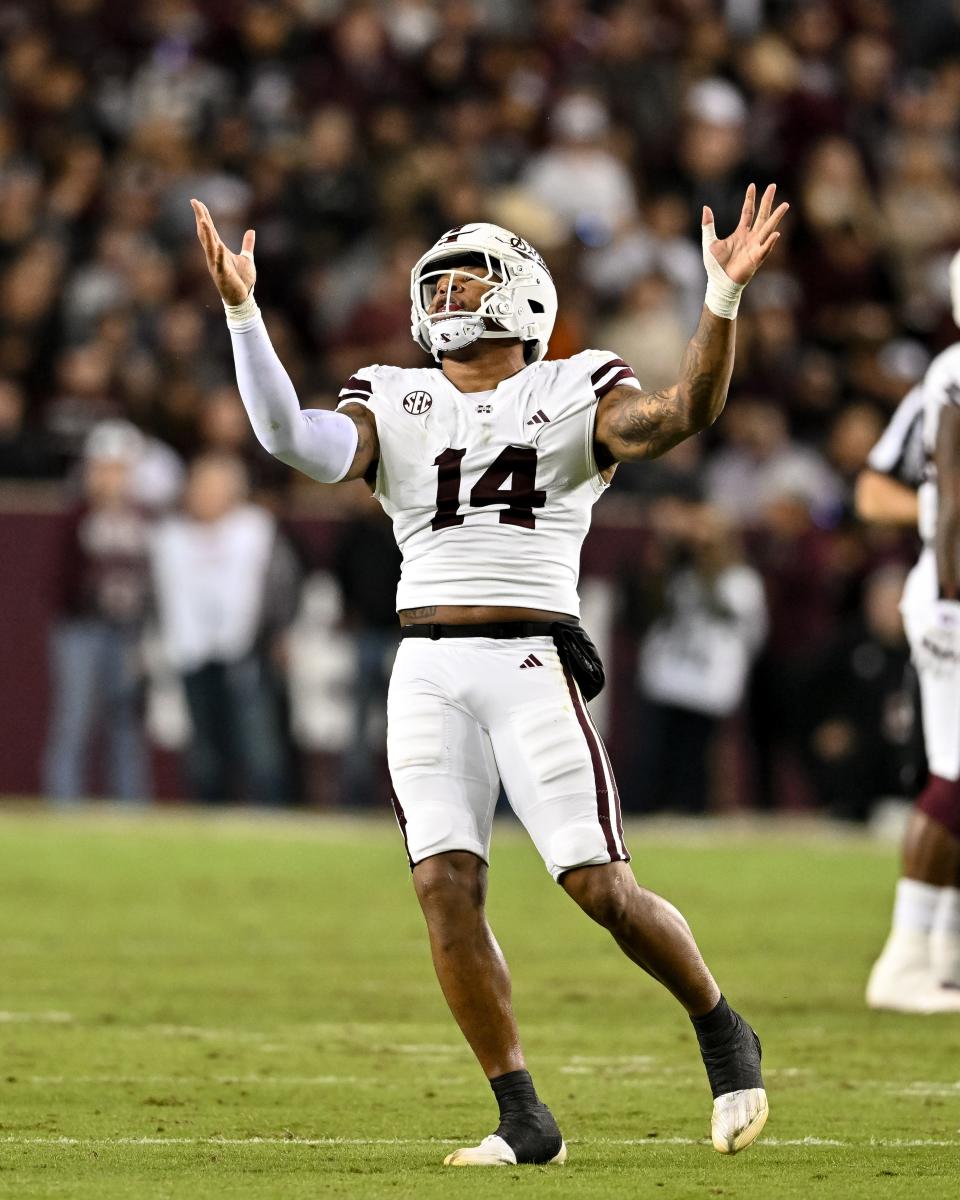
pixel 743 253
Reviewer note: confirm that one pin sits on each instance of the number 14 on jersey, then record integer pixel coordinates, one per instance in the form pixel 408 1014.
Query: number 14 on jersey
pixel 518 464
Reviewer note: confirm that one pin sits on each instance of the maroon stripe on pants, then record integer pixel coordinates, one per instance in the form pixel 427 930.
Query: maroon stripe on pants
pixel 402 822
pixel 603 799
pixel 616 800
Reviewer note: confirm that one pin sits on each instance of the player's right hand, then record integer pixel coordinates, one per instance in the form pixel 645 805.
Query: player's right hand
pixel 938 652
pixel 234 274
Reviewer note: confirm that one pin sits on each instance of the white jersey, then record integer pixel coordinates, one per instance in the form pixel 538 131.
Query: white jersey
pixel 489 493
pixel 941 386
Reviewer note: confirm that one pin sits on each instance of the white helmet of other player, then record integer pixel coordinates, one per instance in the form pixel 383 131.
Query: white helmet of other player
pixel 955 287
pixel 520 303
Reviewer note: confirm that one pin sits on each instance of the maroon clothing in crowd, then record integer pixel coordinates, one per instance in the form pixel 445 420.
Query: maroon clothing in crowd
pixel 105 573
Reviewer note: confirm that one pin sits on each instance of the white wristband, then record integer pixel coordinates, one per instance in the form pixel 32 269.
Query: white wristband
pixel 238 315
pixel 723 295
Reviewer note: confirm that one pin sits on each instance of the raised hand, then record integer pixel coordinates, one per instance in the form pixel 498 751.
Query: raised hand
pixel 743 253
pixel 234 274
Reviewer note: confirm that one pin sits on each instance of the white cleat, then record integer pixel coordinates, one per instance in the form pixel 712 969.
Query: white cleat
pixel 924 1001
pixel 493 1151
pixel 915 990
pixel 738 1118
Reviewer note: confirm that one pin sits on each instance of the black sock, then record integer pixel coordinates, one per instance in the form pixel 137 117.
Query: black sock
pixel 730 1050
pixel 514 1092
pixel 526 1124
pixel 714 1027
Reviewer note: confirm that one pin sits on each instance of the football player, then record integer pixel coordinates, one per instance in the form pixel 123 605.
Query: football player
pixel 489 460
pixel 918 970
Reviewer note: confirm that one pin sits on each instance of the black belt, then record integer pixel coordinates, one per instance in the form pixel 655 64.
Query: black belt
pixel 495 629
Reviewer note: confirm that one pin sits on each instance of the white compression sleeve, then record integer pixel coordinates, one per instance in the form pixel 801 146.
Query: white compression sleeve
pixel 321 444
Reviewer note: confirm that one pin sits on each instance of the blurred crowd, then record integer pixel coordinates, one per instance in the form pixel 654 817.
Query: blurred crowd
pixel 350 134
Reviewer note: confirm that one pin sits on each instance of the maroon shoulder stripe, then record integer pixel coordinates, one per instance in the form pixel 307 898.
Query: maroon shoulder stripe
pixel 623 373
pixel 402 822
pixel 356 384
pixel 365 397
pixel 599 778
pixel 607 366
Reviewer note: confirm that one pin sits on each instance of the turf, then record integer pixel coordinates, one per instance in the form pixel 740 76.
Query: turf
pixel 200 1008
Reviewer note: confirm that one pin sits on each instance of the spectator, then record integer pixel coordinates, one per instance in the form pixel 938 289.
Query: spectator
pixel 648 329
pixel 760 465
pixel 862 736
pixel 96 676
pixel 712 151
pixel 578 177
pixel 367 566
pixel 226 584
pixel 709 621
pixel 23 451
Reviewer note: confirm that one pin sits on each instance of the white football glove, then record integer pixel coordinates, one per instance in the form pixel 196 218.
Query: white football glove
pixel 939 650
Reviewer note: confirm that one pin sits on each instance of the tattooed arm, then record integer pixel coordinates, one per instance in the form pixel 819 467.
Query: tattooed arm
pixel 632 425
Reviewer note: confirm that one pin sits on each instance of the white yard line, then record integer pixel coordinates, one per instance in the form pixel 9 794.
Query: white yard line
pixel 773 1143
pixel 45 1018
pixel 195 1080
pixel 613 1068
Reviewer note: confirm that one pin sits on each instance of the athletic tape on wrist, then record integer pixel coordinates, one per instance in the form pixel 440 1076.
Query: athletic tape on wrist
pixel 240 314
pixel 723 295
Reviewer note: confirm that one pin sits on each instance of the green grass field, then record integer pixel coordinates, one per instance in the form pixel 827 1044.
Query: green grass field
pixel 198 1008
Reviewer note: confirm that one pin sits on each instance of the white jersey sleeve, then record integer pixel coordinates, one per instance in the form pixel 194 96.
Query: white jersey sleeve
pixel 941 387
pixel 489 492
pixel 899 453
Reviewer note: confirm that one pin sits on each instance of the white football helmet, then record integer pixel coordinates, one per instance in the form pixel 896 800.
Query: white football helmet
pixel 520 303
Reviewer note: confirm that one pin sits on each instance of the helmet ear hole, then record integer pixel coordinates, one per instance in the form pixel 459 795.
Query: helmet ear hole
pixel 535 306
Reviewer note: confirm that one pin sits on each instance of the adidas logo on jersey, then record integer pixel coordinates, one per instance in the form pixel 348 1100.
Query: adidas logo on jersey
pixel 539 418
pixel 531 661
pixel 484 408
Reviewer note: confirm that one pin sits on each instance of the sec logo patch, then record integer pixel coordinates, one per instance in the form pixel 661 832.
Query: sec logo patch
pixel 417 403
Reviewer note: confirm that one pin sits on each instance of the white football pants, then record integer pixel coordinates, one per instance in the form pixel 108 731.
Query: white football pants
pixel 464 714
pixel 939 694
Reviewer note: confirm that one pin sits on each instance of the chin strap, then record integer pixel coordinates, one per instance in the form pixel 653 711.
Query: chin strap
pixel 454 333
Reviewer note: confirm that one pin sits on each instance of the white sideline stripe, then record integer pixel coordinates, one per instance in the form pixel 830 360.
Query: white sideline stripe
pixel 195 1080
pixel 774 1143
pixel 198 1031
pixel 56 1018
pixel 782 829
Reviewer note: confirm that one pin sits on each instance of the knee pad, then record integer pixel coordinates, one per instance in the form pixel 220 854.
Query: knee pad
pixel 552 745
pixel 579 844
pixel 940 801
pixel 415 738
